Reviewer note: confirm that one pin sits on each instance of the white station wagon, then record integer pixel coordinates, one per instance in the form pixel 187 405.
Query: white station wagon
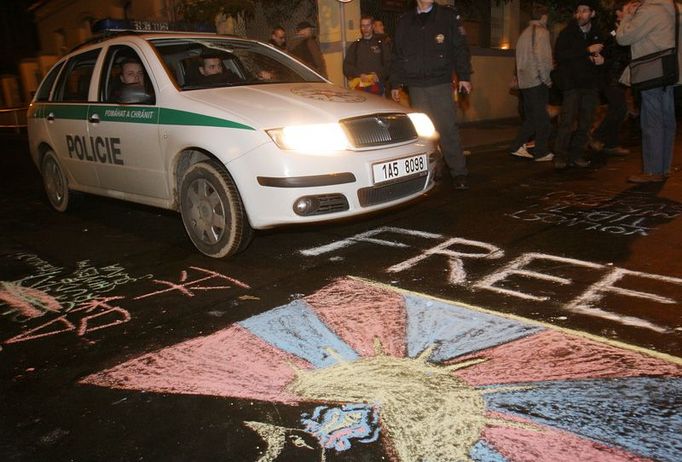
pixel 269 142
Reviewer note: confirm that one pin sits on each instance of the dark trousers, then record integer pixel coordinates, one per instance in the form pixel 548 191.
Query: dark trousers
pixel 609 129
pixel 437 103
pixel 535 120
pixel 580 104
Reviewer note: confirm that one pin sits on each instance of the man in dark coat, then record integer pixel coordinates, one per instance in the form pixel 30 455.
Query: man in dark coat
pixel 429 47
pixel 607 136
pixel 306 48
pixel 578 55
pixel 367 59
pixel 278 38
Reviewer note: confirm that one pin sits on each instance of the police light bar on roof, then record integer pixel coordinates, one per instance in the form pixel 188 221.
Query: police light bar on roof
pixel 119 25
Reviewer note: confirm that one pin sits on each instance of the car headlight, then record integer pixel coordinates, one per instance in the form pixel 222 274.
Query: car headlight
pixel 423 125
pixel 311 138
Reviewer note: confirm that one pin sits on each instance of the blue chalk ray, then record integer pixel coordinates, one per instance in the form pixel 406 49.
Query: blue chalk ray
pixel 483 452
pixel 294 328
pixel 457 331
pixel 640 414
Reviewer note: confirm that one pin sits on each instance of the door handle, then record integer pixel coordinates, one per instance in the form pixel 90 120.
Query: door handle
pixel 94 119
pixel 50 117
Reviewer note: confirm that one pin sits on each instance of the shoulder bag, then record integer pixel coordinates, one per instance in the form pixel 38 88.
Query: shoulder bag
pixel 658 69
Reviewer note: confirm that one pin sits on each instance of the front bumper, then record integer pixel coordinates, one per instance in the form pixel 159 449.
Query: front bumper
pixel 273 183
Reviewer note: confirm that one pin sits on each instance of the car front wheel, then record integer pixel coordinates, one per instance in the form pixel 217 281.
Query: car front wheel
pixel 212 211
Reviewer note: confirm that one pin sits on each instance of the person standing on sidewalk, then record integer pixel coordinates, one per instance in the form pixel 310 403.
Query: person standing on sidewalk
pixel 278 38
pixel 367 61
pixel 306 48
pixel 606 137
pixel 578 55
pixel 429 44
pixel 533 66
pixel 647 27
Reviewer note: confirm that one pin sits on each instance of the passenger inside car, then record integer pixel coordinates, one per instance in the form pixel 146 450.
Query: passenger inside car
pixel 131 86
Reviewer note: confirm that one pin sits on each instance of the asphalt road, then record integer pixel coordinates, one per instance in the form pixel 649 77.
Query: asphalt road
pixel 120 342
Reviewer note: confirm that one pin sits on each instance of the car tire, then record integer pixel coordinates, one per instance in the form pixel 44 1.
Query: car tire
pixel 55 184
pixel 212 211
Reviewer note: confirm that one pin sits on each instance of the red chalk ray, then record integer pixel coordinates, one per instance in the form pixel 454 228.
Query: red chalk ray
pixel 232 362
pixel 27 301
pixel 545 443
pixel 359 313
pixel 552 355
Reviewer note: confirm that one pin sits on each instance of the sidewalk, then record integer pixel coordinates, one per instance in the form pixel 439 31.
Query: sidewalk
pixel 489 134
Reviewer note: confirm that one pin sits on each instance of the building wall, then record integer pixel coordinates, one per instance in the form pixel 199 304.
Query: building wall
pixel 490 98
pixel 63 24
pixel 333 39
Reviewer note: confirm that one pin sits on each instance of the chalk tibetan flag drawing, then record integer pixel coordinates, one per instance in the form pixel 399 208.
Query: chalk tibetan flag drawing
pixel 430 380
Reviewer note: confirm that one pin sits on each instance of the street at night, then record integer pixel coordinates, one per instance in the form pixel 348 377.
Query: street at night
pixel 535 316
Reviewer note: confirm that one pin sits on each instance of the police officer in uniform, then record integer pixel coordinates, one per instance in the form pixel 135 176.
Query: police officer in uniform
pixel 430 44
pixel 368 59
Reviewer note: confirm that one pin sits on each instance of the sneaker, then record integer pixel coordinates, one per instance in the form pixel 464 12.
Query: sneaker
pixel 546 158
pixel 617 151
pixel 522 152
pixel 460 183
pixel 582 163
pixel 642 178
pixel 529 145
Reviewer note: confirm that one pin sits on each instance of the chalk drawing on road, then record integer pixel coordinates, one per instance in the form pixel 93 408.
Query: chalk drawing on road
pixel 449 382
pixel 27 302
pixel 625 213
pixel 96 315
pixel 77 304
pixel 51 289
pixel 185 286
pixel 458 250
pixel 336 427
pixel 296 444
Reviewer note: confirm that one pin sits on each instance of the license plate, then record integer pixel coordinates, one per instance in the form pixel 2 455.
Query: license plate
pixel 388 171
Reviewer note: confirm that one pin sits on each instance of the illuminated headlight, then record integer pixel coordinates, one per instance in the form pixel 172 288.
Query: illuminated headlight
pixel 422 124
pixel 311 138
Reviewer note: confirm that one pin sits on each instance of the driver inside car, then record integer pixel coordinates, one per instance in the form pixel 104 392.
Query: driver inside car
pixel 212 71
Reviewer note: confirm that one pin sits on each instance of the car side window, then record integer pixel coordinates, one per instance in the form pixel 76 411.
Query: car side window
pixel 43 93
pixel 125 79
pixel 74 82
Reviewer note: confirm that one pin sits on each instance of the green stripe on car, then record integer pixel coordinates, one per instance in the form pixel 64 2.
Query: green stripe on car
pixel 136 114
pixel 175 117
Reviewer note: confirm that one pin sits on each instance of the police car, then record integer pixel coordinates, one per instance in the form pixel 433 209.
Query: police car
pixel 267 142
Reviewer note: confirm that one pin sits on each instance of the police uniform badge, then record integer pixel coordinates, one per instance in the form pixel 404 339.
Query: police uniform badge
pixel 440 38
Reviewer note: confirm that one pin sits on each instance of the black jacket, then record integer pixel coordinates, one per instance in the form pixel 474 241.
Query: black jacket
pixel 574 68
pixel 425 53
pixel 365 56
pixel 617 60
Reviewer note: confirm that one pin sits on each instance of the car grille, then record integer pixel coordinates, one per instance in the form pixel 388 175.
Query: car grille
pixel 379 129
pixel 380 194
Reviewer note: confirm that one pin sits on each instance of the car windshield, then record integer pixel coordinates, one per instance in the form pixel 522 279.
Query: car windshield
pixel 198 63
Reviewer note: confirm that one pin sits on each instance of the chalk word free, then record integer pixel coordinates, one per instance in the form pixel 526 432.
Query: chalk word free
pixel 457 250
